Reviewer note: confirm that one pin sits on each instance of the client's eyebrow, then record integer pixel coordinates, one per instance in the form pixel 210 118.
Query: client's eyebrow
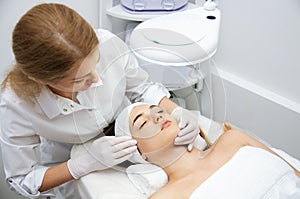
pixel 152 106
pixel 139 115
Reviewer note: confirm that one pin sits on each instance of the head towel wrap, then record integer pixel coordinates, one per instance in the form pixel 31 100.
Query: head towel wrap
pixel 122 129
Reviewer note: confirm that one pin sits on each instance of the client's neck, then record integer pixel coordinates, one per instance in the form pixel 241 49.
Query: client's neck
pixel 184 165
pixel 175 160
pixel 166 156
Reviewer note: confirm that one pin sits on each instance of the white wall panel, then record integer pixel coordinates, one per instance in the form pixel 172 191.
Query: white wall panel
pixel 271 117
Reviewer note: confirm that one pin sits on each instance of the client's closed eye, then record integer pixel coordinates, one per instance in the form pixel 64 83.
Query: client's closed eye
pixel 143 124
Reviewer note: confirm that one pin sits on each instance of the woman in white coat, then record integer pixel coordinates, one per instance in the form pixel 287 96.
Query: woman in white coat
pixel 67 86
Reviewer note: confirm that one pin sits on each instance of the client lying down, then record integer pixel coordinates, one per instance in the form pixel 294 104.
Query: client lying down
pixel 228 169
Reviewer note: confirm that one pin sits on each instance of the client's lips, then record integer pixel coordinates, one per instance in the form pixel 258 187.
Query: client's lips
pixel 165 124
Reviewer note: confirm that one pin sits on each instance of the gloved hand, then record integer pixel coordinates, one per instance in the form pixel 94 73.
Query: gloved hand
pixel 103 153
pixel 189 126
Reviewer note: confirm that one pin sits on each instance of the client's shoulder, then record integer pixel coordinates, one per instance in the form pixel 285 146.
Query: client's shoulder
pixel 174 190
pixel 162 193
pixel 233 137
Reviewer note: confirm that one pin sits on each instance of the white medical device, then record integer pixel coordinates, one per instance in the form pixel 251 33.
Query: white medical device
pixel 183 38
pixel 142 6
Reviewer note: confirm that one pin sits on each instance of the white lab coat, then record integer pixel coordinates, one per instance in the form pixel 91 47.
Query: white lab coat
pixel 37 136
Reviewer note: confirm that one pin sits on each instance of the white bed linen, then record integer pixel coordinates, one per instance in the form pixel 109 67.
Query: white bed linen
pixel 107 184
pixel 252 173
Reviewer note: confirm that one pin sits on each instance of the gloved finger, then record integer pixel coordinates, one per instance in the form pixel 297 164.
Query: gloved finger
pixel 125 152
pixel 123 158
pixel 182 141
pixel 190 146
pixel 182 123
pixel 185 139
pixel 116 140
pixel 123 145
pixel 105 140
pixel 186 130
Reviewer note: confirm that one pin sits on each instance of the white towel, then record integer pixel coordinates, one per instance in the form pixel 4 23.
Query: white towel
pixel 147 177
pixel 251 173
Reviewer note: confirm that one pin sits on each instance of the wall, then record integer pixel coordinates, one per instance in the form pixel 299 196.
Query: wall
pixel 255 79
pixel 259 41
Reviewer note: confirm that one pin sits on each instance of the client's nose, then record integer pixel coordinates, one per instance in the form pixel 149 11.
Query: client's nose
pixel 158 118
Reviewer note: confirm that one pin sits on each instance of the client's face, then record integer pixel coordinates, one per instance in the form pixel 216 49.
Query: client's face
pixel 152 128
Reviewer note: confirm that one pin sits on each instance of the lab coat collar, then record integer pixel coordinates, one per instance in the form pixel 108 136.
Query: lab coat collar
pixel 46 100
pixel 54 105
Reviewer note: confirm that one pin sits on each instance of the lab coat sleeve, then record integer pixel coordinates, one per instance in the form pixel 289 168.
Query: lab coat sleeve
pixel 19 147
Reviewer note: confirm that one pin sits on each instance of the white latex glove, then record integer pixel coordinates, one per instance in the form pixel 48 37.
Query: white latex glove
pixel 189 126
pixel 103 153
